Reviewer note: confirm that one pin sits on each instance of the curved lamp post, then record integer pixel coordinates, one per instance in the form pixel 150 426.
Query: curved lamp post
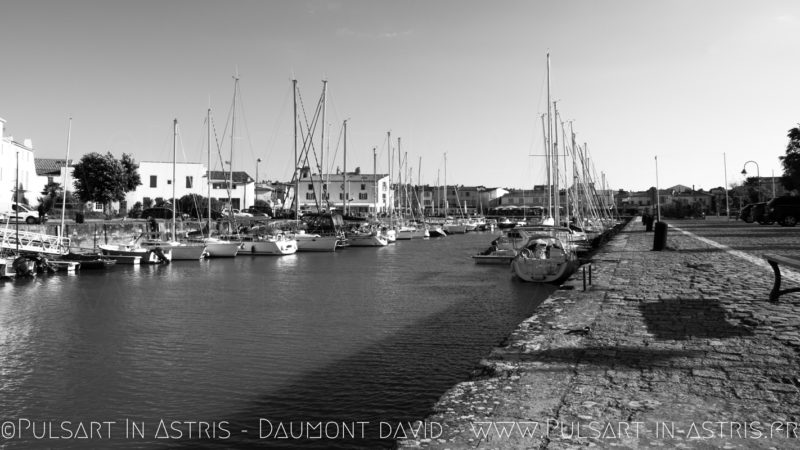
pixel 758 174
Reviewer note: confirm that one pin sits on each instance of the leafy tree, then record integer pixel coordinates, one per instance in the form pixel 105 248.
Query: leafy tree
pixel 50 193
pixel 791 161
pixel 104 179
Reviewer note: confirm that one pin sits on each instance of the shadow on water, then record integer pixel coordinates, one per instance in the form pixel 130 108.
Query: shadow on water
pixel 689 318
pixel 390 383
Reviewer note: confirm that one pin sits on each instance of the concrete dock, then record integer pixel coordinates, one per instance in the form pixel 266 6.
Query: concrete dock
pixel 677 348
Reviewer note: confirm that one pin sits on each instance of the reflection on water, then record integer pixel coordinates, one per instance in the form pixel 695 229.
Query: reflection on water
pixel 360 335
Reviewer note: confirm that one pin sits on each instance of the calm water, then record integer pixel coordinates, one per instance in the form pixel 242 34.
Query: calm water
pixel 364 338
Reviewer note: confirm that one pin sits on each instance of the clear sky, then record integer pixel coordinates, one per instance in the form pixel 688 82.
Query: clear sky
pixel 684 80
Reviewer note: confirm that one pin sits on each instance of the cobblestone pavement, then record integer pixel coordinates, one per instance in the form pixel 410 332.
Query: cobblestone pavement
pixel 683 350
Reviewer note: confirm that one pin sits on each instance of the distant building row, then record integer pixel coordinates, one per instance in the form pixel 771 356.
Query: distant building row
pixel 355 192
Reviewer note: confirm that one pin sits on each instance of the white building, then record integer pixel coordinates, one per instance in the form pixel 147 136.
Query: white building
pixel 328 190
pixel 190 178
pixel 16 163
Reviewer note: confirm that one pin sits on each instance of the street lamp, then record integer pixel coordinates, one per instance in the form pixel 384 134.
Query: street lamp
pixel 257 161
pixel 758 174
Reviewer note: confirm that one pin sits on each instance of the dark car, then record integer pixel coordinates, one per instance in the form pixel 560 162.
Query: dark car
pixel 760 214
pixel 158 212
pixel 784 210
pixel 746 213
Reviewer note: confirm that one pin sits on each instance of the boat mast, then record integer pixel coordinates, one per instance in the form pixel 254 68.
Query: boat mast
pixel 208 172
pixel 548 149
pixel 344 173
pixel 296 175
pixel 233 132
pixel 417 188
pixel 556 191
pixel 16 200
pixel 322 144
pixel 446 206
pixel 64 194
pixel 390 202
pixel 375 178
pixel 174 139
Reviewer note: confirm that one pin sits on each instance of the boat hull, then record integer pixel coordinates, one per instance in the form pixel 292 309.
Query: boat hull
pixel 147 256
pixel 366 240
pixel 269 247
pixel 536 270
pixel 315 243
pixel 222 249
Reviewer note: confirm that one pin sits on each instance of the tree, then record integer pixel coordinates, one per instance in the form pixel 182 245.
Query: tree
pixel 50 193
pixel 791 161
pixel 104 179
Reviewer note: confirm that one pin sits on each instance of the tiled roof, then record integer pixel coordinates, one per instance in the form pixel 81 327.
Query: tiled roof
pixel 49 166
pixel 238 177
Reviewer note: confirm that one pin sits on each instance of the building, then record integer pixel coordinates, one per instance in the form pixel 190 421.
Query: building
pixel 361 194
pixel 190 178
pixel 17 170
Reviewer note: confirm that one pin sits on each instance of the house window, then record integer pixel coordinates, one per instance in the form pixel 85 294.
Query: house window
pixel 383 186
pixel 363 187
pixel 362 195
pixel 153 181
pixel 325 186
pixel 310 187
pixel 189 182
pixel 169 182
pixel 341 196
pixel 310 196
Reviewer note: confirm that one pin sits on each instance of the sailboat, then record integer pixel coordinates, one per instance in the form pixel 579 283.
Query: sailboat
pixel 155 239
pixel 321 233
pixel 217 247
pixel 548 256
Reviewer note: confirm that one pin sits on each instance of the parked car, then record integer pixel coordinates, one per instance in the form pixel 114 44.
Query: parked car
pixel 159 212
pixel 784 210
pixel 760 214
pixel 236 214
pixel 260 211
pixel 22 213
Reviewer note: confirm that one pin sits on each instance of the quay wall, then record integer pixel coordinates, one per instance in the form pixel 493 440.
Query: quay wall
pixel 660 345
pixel 87 235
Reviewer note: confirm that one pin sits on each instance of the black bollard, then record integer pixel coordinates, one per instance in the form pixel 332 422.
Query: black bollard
pixel 649 224
pixel 660 237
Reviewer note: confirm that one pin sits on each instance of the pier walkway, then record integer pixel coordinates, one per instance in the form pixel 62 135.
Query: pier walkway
pixel 683 350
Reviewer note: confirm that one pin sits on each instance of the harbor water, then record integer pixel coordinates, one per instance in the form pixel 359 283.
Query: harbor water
pixel 251 351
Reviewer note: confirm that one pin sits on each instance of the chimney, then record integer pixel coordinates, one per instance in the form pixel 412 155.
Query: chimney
pixel 28 143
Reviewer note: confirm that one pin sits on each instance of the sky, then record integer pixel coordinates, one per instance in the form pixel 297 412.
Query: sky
pixel 661 92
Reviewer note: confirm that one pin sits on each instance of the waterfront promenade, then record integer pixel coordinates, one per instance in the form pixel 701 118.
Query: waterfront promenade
pixel 683 350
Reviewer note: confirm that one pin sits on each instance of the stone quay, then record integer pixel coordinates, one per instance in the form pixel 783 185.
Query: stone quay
pixel 678 348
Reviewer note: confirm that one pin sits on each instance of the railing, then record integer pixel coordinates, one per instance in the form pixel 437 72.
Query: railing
pixel 33 242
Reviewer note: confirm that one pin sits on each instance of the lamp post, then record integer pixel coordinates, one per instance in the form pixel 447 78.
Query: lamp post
pixel 758 174
pixel 257 162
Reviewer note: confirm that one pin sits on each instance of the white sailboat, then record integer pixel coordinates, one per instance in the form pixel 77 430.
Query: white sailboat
pixel 191 251
pixel 215 246
pixel 548 256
